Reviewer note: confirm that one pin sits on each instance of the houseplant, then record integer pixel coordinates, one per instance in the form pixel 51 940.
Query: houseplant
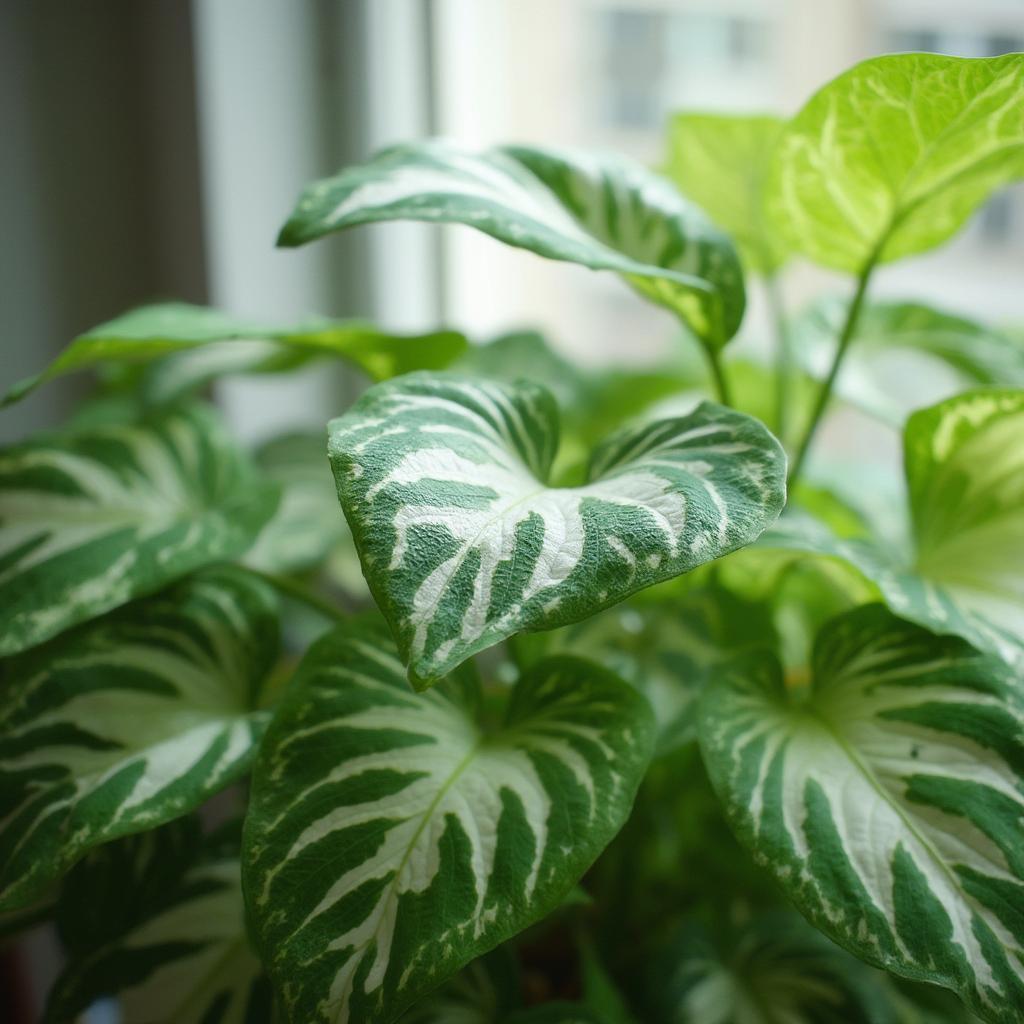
pixel 595 735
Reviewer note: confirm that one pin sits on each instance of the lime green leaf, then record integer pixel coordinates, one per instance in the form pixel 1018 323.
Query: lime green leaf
pixel 876 374
pixel 720 161
pixel 129 721
pixel 887 799
pixel 175 950
pixel 392 837
pixel 306 525
pixel 599 211
pixel 90 519
pixel 443 480
pixel 892 157
pixel 964 573
pixel 774 970
pixel 246 346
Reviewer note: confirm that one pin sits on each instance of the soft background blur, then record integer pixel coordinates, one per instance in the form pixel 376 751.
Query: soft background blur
pixel 151 150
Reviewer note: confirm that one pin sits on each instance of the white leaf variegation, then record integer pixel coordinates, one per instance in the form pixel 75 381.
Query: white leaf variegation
pixel 392 837
pixel 129 721
pixel 888 800
pixel 601 211
pixel 90 519
pixel 964 463
pixel 168 941
pixel 443 480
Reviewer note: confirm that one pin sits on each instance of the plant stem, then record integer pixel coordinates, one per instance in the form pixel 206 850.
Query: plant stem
pixel 784 353
pixel 300 592
pixel 718 373
pixel 845 337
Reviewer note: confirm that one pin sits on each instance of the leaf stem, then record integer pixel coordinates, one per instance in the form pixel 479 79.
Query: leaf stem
pixel 825 393
pixel 718 373
pixel 300 592
pixel 784 353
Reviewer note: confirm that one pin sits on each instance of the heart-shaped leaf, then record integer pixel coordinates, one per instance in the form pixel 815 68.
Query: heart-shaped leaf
pixel 393 837
pixel 602 212
pixel 211 343
pixel 721 161
pixel 444 483
pixel 129 721
pixel 892 157
pixel 887 800
pixel 877 375
pixel 175 949
pixel 90 519
pixel 963 572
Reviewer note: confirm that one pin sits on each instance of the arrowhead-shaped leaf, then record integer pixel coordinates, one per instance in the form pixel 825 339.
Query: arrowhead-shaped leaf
pixel 210 343
pixel 393 837
pixel 174 950
pixel 129 721
pixel 877 376
pixel 964 463
pixel 599 211
pixel 893 156
pixel 90 519
pixel 721 161
pixel 444 481
pixel 888 800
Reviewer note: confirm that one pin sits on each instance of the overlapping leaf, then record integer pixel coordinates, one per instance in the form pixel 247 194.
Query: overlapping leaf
pixel 877 376
pixel 892 157
pixel 210 343
pixel 964 462
pixel 444 483
pixel 393 837
pixel 160 924
pixel 602 212
pixel 720 161
pixel 90 519
pixel 888 799
pixel 128 722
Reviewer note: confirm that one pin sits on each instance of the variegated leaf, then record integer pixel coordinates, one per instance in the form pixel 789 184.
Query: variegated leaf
pixel 201 344
pixel 129 721
pixel 174 950
pixel 90 519
pixel 888 800
pixel 393 836
pixel 444 481
pixel 306 525
pixel 601 211
pixel 964 462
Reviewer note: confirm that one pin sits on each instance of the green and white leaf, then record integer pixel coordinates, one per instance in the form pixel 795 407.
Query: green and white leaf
pixel 905 355
pixel 91 519
pixel 887 800
pixel 129 721
pixel 720 161
pixel 204 343
pixel 307 524
pixel 175 956
pixel 892 157
pixel 600 211
pixel 392 837
pixel 444 481
pixel 774 970
pixel 964 572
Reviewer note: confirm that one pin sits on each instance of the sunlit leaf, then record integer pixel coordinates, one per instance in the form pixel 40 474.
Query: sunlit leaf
pixel 720 161
pixel 444 481
pixel 211 343
pixel 600 211
pixel 886 798
pixel 393 837
pixel 90 519
pixel 894 155
pixel 129 721
pixel 163 928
